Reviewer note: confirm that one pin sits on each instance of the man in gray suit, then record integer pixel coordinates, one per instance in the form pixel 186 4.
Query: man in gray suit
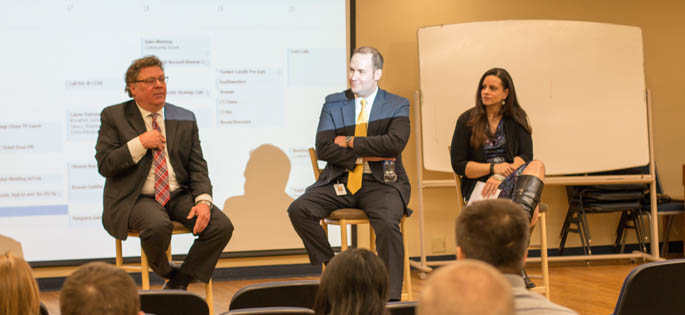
pixel 496 231
pixel 149 152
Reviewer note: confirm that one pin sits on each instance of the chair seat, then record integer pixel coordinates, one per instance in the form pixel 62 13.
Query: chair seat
pixel 348 213
pixel 612 206
pixel 603 195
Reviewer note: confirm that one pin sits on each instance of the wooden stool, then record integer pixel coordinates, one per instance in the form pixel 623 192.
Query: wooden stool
pixel 144 267
pixel 345 216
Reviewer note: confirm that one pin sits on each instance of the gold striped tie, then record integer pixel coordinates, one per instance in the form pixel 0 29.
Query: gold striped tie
pixel 354 179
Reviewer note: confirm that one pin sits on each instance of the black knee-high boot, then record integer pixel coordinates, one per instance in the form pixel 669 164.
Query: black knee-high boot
pixel 527 193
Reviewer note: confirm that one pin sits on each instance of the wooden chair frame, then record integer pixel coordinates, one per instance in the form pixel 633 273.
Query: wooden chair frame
pixel 144 267
pixel 359 217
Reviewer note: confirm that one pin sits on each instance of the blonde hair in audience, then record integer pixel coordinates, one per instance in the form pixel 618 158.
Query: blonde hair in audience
pixel 467 287
pixel 19 293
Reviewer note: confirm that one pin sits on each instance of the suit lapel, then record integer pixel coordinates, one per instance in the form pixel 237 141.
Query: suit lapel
pixel 376 112
pixel 171 127
pixel 134 117
pixel 348 114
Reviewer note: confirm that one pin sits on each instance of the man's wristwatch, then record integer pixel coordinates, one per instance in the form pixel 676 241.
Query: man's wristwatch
pixel 348 139
pixel 492 168
pixel 209 204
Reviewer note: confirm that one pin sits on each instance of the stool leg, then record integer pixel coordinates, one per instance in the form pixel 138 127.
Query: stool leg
pixel 325 231
pixel 325 227
pixel 144 270
pixel 372 239
pixel 407 270
pixel 543 252
pixel 343 235
pixel 168 252
pixel 209 296
pixel 119 258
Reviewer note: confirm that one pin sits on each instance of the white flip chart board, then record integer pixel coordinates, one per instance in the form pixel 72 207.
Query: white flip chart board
pixel 581 83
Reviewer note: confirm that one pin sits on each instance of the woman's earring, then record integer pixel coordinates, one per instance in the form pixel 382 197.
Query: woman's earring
pixel 504 101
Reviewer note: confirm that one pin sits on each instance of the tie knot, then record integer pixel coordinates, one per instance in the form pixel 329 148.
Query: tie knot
pixel 363 102
pixel 155 125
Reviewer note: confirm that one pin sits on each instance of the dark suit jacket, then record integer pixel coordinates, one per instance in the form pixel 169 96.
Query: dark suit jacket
pixel 124 178
pixel 387 135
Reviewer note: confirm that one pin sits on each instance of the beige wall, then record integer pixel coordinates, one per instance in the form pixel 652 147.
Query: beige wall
pixel 391 26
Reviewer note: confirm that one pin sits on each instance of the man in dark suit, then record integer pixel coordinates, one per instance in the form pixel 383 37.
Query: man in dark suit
pixel 149 152
pixel 362 132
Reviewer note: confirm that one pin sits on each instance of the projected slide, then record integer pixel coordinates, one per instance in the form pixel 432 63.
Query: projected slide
pixel 255 73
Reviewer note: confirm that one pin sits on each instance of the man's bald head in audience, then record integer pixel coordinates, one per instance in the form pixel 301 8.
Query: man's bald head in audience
pixel 467 287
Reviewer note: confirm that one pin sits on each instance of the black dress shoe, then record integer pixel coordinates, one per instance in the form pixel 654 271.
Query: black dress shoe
pixel 180 281
pixel 175 267
pixel 526 279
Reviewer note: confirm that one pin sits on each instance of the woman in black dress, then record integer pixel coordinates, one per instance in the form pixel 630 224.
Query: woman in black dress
pixel 492 143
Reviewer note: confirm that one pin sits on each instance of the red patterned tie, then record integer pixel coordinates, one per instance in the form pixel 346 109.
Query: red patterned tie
pixel 162 193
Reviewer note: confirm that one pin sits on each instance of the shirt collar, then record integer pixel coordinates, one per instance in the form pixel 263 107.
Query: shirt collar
pixel 369 99
pixel 146 113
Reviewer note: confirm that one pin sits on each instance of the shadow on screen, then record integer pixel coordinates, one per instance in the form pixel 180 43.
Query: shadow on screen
pixel 260 215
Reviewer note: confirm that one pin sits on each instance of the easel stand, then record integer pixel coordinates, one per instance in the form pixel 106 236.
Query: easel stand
pixel 650 179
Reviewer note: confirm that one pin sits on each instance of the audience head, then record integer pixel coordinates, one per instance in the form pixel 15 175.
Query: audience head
pixel 354 282
pixel 19 293
pixel 494 231
pixel 99 288
pixel 466 287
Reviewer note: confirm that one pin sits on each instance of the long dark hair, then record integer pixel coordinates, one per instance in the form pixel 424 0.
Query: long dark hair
pixel 355 282
pixel 511 109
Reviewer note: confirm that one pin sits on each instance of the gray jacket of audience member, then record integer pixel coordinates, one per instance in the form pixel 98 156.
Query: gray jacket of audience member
pixel 531 303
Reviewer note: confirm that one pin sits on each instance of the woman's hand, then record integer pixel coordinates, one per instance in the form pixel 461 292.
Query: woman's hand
pixel 504 168
pixel 490 187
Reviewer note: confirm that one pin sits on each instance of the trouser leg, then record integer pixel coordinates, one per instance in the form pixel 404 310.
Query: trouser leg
pixel 385 207
pixel 306 212
pixel 152 222
pixel 208 244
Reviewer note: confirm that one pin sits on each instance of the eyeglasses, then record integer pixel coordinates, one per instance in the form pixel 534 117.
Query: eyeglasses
pixel 151 81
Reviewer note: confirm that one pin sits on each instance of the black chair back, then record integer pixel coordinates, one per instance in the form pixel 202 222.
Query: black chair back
pixel 276 310
pixel 653 288
pixel 43 309
pixel 177 302
pixel 299 293
pixel 402 308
